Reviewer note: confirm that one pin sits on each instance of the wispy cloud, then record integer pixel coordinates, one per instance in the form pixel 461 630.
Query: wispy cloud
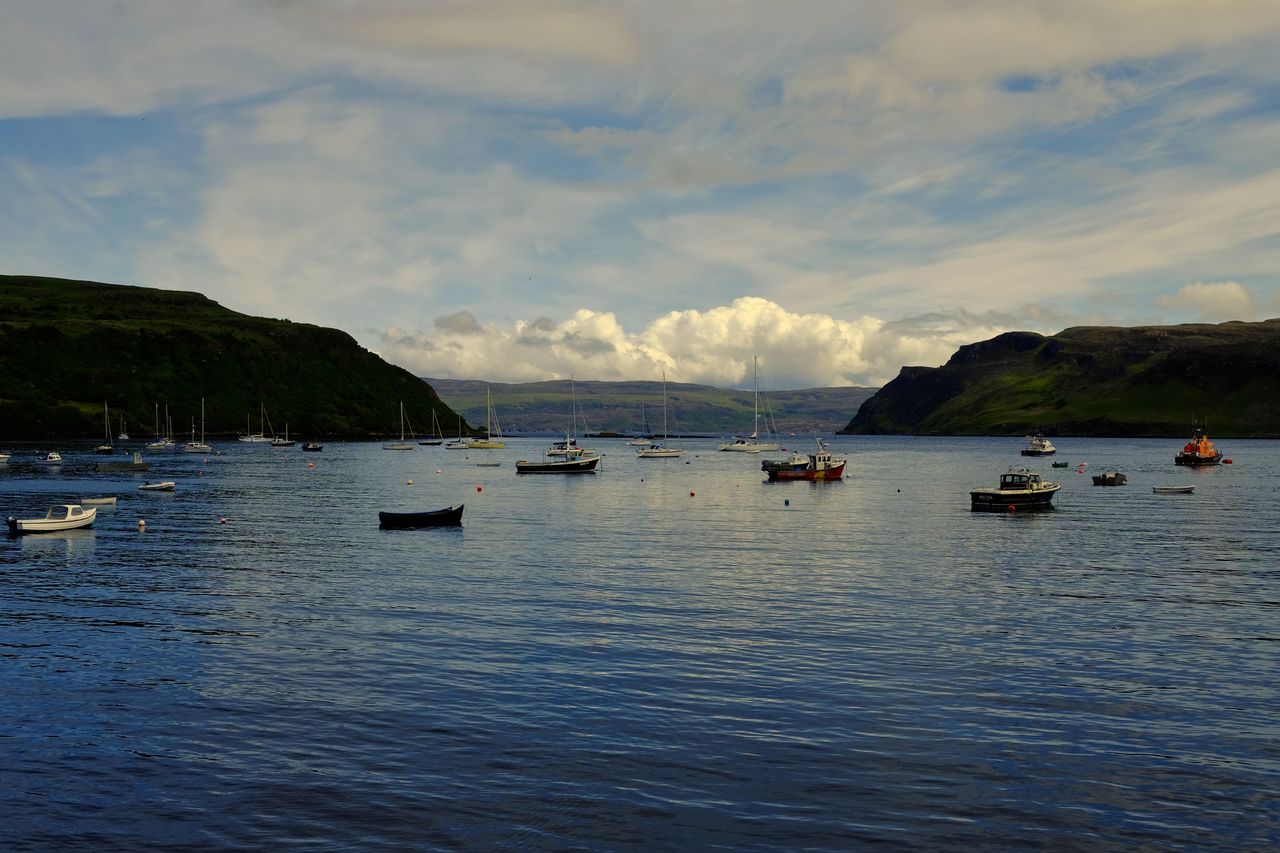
pixel 627 171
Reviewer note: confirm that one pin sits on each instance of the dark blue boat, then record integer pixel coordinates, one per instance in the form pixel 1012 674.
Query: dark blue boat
pixel 448 517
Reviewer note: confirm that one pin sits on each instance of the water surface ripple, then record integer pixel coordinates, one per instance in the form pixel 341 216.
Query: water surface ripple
pixel 671 654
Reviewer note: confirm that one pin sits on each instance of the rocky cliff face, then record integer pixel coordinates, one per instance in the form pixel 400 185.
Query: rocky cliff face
pixel 1152 380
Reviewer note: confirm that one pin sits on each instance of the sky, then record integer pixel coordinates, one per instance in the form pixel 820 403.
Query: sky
pixel 528 190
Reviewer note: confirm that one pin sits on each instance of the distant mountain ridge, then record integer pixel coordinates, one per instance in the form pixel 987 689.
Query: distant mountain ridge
pixel 616 406
pixel 1090 380
pixel 67 346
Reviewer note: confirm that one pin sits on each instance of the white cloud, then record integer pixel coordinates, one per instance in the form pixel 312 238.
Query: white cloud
pixel 1213 301
pixel 715 347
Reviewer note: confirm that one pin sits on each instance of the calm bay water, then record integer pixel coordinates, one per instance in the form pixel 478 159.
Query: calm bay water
pixel 662 656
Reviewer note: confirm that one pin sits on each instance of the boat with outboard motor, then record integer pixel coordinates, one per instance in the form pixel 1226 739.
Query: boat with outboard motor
pixel 1020 489
pixel 59 517
pixel 822 465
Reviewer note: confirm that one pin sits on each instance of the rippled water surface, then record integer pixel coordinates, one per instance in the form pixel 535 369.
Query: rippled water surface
pixel 670 654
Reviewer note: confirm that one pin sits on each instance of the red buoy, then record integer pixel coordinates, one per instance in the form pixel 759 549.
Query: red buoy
pixel 1227 462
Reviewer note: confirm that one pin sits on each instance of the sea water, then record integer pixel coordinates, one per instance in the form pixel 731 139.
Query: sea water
pixel 671 654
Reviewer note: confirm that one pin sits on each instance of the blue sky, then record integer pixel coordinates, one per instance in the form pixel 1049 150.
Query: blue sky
pixel 527 190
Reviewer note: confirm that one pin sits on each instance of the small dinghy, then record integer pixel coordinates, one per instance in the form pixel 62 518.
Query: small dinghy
pixel 1173 490
pixel 448 517
pixel 162 486
pixel 108 501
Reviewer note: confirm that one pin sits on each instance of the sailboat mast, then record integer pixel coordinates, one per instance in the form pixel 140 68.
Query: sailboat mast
pixel 755 397
pixel 665 436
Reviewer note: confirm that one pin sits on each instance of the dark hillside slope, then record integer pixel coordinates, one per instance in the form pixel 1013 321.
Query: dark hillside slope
pixel 68 346
pixel 1151 380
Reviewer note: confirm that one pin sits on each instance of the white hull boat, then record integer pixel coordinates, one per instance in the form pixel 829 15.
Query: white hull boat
pixel 61 517
pixel 162 486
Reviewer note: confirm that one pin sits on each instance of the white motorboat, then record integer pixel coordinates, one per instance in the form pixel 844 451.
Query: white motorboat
pixel 60 517
pixel 1173 490
pixel 53 457
pixel 5 457
pixel 1038 445
pixel 103 501
pixel 162 486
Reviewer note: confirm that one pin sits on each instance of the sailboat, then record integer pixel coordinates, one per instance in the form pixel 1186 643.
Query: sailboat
pixel 283 442
pixel 106 447
pixel 437 434
pixel 642 440
pixel 194 446
pixel 259 437
pixel 491 428
pixel 163 440
pixel 123 436
pixel 752 444
pixel 656 448
pixel 401 444
pixel 461 443
pixel 569 449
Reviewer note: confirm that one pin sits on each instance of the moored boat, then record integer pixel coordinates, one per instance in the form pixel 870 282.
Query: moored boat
pixel 1019 489
pixel 162 486
pixel 103 501
pixel 822 465
pixel 1172 490
pixel 313 447
pixel 1198 451
pixel 581 465
pixel 60 517
pixel 53 457
pixel 1038 445
pixel 448 517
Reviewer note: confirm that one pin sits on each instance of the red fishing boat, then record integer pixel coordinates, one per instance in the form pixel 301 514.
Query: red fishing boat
pixel 1198 451
pixel 816 466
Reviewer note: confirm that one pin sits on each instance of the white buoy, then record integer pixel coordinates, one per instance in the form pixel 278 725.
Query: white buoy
pixel 142 525
pixel 408 482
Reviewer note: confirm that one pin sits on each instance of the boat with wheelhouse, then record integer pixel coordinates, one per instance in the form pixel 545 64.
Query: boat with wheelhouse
pixel 1198 451
pixel 1020 489
pixel 820 465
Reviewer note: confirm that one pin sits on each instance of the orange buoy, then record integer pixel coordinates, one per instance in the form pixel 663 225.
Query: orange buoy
pixel 1227 462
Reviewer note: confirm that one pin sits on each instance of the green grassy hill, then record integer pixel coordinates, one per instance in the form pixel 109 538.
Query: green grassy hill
pixel 616 406
pixel 1149 380
pixel 68 346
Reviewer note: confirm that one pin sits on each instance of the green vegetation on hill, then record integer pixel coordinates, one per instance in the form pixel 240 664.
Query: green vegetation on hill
pixel 68 346
pixel 1149 380
pixel 616 406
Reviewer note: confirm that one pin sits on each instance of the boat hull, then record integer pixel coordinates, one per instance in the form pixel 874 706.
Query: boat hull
pixel 448 517
pixel 569 466
pixel 835 472
pixel 1003 500
pixel 83 518
pixel 1196 459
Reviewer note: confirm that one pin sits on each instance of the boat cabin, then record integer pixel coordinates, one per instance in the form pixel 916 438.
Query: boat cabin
pixel 1019 479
